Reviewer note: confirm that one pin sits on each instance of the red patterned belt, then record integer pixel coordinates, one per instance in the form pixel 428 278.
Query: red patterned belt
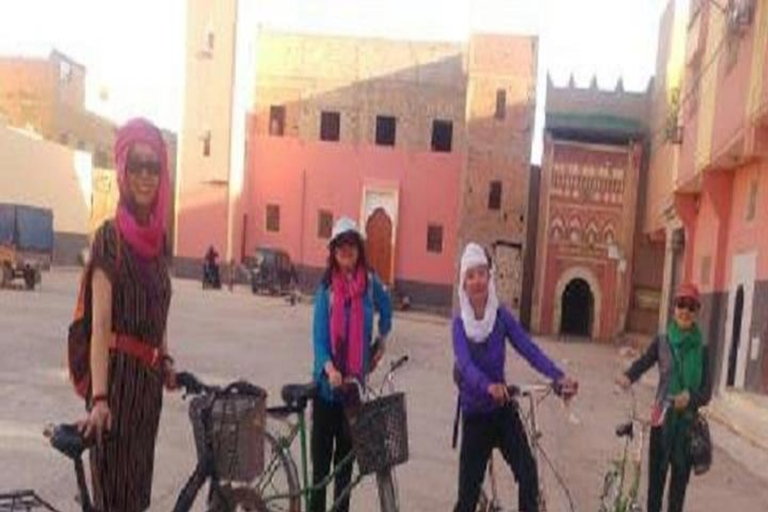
pixel 134 347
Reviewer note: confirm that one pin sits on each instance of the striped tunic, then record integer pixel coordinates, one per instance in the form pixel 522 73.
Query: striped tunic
pixel 122 466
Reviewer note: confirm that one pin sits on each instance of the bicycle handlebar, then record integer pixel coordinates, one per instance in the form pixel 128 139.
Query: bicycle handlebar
pixel 190 383
pixel 243 387
pixel 396 365
pixel 354 384
pixel 534 389
pixel 194 386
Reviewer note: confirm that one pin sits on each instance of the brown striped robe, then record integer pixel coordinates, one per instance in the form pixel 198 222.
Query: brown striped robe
pixel 122 466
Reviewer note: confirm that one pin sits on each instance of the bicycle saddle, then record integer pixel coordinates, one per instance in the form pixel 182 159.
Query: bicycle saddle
pixel 66 438
pixel 625 430
pixel 297 395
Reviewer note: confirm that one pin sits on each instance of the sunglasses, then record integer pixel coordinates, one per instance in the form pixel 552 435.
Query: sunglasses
pixel 347 239
pixel 686 303
pixel 136 165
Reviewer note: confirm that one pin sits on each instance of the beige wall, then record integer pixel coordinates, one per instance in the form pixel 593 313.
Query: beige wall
pixel 360 78
pixel 49 95
pixel 202 191
pixel 498 149
pixel 39 173
pixel 27 91
pixel 86 132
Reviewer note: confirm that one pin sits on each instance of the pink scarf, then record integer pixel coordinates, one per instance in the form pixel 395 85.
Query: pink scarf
pixel 347 344
pixel 146 241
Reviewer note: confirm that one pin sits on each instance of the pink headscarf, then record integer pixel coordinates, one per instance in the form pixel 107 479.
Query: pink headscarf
pixel 146 241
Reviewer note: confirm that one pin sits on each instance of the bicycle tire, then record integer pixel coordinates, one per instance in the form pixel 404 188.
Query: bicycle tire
pixel 483 504
pixel 279 462
pixel 610 492
pixel 251 497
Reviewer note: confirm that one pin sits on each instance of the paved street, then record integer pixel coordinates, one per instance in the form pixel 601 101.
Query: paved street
pixel 225 336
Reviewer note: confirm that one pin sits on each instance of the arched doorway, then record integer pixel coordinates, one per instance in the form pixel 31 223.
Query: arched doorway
pixel 578 305
pixel 733 355
pixel 378 244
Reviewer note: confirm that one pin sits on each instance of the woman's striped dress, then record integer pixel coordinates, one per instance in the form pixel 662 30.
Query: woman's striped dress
pixel 122 465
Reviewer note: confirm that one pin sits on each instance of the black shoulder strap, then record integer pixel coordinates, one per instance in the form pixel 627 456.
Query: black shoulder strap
pixel 456 421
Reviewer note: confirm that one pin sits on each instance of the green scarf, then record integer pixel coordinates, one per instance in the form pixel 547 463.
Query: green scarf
pixel 688 354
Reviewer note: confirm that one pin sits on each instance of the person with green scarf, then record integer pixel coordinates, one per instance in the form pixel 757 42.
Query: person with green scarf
pixel 684 387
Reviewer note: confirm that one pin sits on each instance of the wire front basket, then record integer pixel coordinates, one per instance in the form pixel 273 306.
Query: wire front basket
pixel 237 424
pixel 379 431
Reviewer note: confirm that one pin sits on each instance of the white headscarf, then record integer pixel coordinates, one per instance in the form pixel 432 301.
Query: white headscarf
pixel 477 330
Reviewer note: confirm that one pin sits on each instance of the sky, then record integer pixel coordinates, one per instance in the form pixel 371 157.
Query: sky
pixel 134 49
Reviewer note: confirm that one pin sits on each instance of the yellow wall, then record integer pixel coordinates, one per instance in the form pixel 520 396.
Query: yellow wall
pixel 708 92
pixel 664 162
pixel 105 197
pixel 39 173
pixel 759 60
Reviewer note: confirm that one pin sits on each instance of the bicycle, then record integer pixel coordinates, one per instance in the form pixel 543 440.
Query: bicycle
pixel 379 437
pixel 228 423
pixel 621 484
pixel 534 395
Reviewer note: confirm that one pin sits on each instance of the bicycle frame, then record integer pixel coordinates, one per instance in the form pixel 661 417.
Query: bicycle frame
pixel 285 442
pixel 627 469
pixel 636 457
pixel 532 394
pixel 299 429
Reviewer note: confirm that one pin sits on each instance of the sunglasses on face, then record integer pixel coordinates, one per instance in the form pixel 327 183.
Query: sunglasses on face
pixel 136 165
pixel 689 304
pixel 346 241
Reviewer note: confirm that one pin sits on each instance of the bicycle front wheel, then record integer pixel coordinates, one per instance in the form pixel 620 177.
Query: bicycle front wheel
pixel 483 503
pixel 277 488
pixel 611 492
pixel 386 486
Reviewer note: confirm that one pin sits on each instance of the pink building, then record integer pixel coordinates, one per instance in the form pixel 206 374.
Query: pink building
pixel 709 178
pixel 375 130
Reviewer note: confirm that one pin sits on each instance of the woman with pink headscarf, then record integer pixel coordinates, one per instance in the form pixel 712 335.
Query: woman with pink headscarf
pixel 131 290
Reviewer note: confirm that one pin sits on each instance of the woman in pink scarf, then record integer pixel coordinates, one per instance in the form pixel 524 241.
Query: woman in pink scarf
pixel 345 304
pixel 131 293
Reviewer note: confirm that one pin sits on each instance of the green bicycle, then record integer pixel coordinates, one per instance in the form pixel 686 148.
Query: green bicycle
pixel 621 484
pixel 380 442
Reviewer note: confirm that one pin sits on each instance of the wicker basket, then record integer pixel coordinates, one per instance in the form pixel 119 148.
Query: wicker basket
pixel 237 432
pixel 380 433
